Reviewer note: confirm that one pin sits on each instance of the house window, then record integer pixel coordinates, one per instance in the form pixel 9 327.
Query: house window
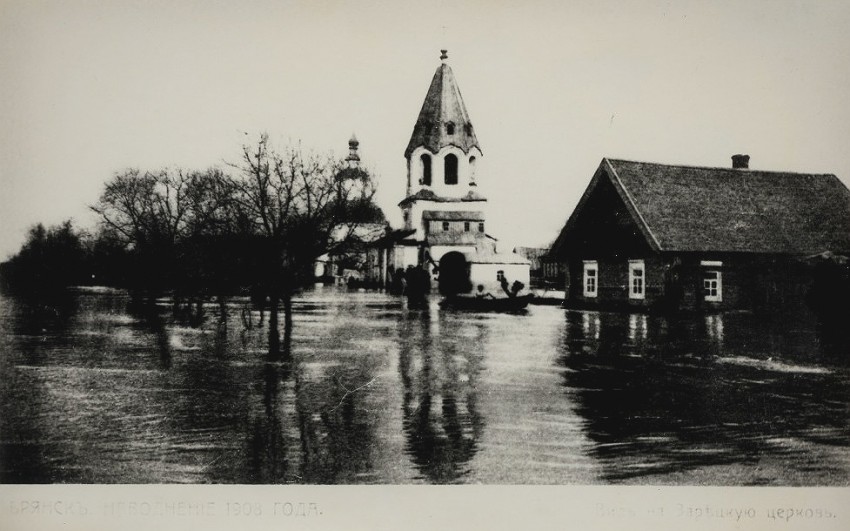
pixel 465 226
pixel 712 280
pixel 445 225
pixel 450 128
pixel 591 278
pixel 451 169
pixel 500 275
pixel 426 169
pixel 712 285
pixel 481 227
pixel 637 281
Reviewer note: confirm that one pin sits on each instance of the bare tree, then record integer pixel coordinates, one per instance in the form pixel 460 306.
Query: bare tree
pixel 198 231
pixel 156 214
pixel 164 207
pixel 294 202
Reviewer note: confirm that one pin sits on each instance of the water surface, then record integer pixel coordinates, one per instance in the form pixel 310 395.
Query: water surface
pixel 94 389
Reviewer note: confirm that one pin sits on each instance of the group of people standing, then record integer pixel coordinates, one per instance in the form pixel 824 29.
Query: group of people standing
pixel 413 282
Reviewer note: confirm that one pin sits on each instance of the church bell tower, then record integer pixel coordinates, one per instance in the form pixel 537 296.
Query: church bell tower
pixel 443 156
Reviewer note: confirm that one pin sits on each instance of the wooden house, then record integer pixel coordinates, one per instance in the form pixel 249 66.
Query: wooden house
pixel 554 273
pixel 657 236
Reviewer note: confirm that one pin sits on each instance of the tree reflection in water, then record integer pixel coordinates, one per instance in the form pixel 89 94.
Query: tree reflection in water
pixel 35 323
pixel 47 318
pixel 318 416
pixel 268 455
pixel 440 418
pixel 268 448
pixel 365 390
pixel 150 320
pixel 667 396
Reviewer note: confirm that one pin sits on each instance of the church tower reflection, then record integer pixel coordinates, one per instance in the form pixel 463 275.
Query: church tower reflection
pixel 441 420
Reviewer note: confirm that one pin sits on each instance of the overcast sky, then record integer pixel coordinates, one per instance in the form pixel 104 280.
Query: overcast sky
pixel 91 88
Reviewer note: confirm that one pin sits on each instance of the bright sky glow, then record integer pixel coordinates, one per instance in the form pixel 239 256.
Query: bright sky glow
pixel 88 88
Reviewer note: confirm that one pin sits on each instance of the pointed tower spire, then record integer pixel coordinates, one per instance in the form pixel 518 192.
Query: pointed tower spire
pixel 443 119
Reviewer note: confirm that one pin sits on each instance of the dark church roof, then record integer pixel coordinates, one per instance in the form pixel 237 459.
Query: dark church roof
pixel 443 105
pixel 428 195
pixel 454 215
pixel 690 209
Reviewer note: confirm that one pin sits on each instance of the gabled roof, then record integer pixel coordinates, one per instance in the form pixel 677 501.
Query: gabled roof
pixel 443 104
pixel 688 208
pixel 454 215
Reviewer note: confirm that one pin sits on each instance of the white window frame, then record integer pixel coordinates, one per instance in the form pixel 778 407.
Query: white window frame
pixel 712 267
pixel 591 289
pixel 637 274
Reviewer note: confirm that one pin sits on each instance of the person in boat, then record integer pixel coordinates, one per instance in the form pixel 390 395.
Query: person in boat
pixel 514 289
pixel 482 295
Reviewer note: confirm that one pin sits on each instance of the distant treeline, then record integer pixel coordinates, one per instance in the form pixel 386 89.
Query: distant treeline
pixel 59 256
pixel 204 233
pixel 55 257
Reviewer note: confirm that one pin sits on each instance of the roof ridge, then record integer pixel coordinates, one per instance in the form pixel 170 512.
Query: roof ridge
pixel 693 208
pixel 630 202
pixel 729 168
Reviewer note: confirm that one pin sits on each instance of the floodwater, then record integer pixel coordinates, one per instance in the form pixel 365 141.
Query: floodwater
pixel 95 390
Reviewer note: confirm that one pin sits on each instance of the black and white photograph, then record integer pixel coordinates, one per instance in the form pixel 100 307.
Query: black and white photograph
pixel 598 245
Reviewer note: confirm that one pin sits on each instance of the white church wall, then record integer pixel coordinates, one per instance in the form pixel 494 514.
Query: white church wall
pixel 403 256
pixel 438 185
pixel 417 208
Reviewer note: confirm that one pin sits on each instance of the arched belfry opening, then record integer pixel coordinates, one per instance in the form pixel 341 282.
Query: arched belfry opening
pixel 426 169
pixel 472 163
pixel 454 274
pixel 450 169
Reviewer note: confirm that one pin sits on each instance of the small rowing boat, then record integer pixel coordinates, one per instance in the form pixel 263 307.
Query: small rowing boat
pixel 486 304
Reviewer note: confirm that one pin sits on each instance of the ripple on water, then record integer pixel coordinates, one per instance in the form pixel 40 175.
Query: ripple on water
pixel 772 365
pixel 377 393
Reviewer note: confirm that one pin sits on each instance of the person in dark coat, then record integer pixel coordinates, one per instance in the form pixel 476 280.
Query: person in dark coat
pixel 418 284
pixel 397 282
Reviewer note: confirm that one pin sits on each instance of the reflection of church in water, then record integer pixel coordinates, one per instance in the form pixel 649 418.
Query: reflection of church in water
pixel 441 420
pixel 444 210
